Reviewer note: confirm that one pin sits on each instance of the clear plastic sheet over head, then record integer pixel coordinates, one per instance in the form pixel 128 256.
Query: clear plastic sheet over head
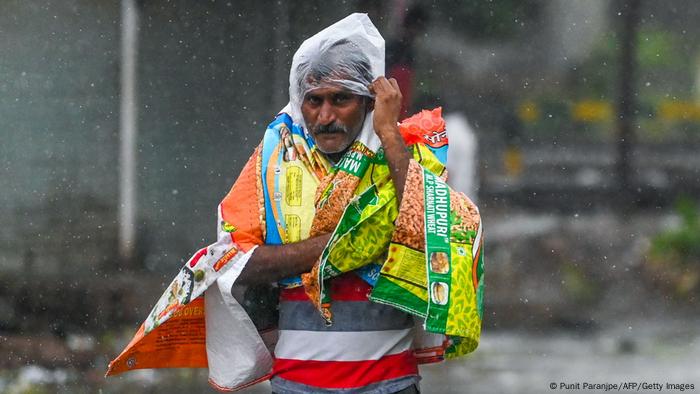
pixel 347 54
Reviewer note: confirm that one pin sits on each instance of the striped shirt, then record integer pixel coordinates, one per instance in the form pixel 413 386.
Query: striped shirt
pixel 367 349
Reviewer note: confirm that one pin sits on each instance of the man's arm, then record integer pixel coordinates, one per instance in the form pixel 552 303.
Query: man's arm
pixel 270 263
pixel 387 108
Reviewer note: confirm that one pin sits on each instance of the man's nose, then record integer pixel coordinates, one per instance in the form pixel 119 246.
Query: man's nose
pixel 326 114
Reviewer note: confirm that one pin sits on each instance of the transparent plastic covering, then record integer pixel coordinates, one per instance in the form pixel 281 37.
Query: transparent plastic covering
pixel 349 54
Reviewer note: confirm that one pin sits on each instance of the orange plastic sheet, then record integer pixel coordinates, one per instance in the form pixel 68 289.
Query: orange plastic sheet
pixel 177 343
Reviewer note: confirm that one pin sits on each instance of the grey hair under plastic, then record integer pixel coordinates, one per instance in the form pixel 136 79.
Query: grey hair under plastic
pixel 342 64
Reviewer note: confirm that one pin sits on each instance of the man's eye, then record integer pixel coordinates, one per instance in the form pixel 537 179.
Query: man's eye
pixel 342 98
pixel 313 100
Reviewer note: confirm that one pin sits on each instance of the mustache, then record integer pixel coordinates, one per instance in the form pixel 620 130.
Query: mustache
pixel 330 129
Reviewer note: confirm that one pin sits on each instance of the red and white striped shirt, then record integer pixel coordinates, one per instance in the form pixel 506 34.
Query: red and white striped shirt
pixel 367 349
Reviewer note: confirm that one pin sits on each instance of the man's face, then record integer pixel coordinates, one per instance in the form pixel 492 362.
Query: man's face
pixel 334 117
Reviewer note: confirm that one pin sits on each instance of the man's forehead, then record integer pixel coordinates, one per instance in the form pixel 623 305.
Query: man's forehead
pixel 329 88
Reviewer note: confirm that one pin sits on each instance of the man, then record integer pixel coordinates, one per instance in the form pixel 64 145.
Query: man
pixel 324 209
pixel 337 95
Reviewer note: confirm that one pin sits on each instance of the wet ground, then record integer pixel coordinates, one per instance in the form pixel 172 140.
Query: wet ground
pixel 508 363
pixel 638 352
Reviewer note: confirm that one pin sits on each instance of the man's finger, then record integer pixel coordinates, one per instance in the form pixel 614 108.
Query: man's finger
pixel 395 84
pixel 383 84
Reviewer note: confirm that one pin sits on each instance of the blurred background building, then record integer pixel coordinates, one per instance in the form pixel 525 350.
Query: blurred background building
pixel 586 113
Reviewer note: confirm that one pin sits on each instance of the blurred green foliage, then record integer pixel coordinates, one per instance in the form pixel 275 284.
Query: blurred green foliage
pixel 681 244
pixel 661 48
pixel 674 256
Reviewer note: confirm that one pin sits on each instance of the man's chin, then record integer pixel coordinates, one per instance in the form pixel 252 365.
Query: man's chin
pixel 331 145
pixel 330 151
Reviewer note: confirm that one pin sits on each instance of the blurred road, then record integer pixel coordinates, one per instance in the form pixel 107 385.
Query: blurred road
pixel 505 362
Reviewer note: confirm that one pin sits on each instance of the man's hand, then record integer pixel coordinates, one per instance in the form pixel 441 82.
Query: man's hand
pixel 387 105
pixel 387 108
